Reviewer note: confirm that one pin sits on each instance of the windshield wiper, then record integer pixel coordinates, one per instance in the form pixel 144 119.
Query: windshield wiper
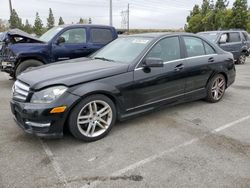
pixel 104 59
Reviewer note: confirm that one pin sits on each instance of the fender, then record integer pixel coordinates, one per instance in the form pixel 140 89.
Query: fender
pixel 100 88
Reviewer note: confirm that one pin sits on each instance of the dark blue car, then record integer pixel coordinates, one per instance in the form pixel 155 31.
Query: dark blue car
pixel 22 51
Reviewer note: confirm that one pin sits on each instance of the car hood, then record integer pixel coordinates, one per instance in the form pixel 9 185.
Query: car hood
pixel 22 34
pixel 71 72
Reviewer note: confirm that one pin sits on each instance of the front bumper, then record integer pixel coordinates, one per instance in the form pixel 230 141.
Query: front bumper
pixel 7 66
pixel 36 118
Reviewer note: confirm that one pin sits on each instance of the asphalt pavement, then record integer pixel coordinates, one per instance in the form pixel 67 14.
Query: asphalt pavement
pixel 195 144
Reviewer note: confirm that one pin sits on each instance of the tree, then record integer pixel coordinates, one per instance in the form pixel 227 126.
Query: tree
pixel 83 21
pixel 219 14
pixel 15 21
pixel 38 25
pixel 194 20
pixel 27 27
pixel 60 22
pixel 240 14
pixel 50 20
pixel 248 25
pixel 3 25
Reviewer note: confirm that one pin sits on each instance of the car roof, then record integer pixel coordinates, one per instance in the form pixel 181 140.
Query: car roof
pixel 222 31
pixel 85 25
pixel 159 34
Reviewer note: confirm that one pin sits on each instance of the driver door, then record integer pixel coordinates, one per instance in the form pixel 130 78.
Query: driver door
pixel 75 45
pixel 161 84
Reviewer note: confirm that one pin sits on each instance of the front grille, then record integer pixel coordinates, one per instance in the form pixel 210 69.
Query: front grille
pixel 20 91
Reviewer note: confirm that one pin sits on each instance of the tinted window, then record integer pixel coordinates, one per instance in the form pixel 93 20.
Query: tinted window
pixel 75 36
pixel 245 36
pixel 209 49
pixel 194 46
pixel 101 35
pixel 234 37
pixel 167 49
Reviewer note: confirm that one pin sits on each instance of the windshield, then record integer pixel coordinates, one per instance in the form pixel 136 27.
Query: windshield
pixel 210 36
pixel 123 49
pixel 46 37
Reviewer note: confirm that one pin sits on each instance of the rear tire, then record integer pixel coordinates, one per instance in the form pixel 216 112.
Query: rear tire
pixel 24 65
pixel 216 88
pixel 92 118
pixel 242 59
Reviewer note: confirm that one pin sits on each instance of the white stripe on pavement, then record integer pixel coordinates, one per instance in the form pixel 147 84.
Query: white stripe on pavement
pixel 164 153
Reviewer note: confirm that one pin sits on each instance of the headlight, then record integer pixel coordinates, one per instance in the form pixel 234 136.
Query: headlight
pixel 48 95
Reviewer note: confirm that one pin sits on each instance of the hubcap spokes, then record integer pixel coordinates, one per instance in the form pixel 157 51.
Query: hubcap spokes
pixel 94 118
pixel 218 88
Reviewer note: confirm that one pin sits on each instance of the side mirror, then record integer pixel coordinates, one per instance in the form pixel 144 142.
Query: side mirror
pixel 60 40
pixel 153 62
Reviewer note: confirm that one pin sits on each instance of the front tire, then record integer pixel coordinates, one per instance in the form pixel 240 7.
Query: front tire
pixel 92 118
pixel 27 64
pixel 216 88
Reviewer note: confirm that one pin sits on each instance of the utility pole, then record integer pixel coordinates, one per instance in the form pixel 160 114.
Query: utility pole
pixel 128 20
pixel 110 13
pixel 10 4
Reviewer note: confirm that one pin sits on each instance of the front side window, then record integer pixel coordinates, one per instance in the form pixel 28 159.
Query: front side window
pixel 167 49
pixel 194 46
pixel 75 36
pixel 102 36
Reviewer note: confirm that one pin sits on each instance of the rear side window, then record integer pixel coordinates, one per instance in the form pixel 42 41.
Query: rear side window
pixel 167 49
pixel 102 36
pixel 245 36
pixel 194 46
pixel 234 37
pixel 209 49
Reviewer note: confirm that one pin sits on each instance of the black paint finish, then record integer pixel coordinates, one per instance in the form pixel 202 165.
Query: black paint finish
pixel 133 88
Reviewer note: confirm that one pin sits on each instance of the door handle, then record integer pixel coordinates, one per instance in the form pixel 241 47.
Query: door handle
pixel 179 67
pixel 211 60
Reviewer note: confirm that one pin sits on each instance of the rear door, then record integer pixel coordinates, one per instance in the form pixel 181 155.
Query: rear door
pixel 199 55
pixel 75 45
pixel 99 37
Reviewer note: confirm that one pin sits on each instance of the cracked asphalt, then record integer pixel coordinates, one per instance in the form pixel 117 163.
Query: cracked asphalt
pixel 195 144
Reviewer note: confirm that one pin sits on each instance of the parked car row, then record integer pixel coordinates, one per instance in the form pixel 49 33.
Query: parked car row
pixel 21 51
pixel 129 76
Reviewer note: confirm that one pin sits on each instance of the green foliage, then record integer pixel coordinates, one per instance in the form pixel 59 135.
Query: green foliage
pixel 3 25
pixel 60 22
pixel 38 26
pixel 27 27
pixel 240 14
pixel 50 20
pixel 15 21
pixel 218 16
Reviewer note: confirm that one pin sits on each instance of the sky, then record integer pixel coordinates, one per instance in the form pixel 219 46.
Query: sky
pixel 144 14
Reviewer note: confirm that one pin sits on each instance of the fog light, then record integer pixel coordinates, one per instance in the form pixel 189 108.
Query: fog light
pixel 58 110
pixel 35 124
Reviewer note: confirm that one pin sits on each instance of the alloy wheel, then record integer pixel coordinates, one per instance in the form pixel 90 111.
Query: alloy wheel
pixel 94 118
pixel 242 59
pixel 218 88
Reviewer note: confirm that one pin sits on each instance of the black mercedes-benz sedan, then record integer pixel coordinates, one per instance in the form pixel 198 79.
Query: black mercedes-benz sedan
pixel 130 76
